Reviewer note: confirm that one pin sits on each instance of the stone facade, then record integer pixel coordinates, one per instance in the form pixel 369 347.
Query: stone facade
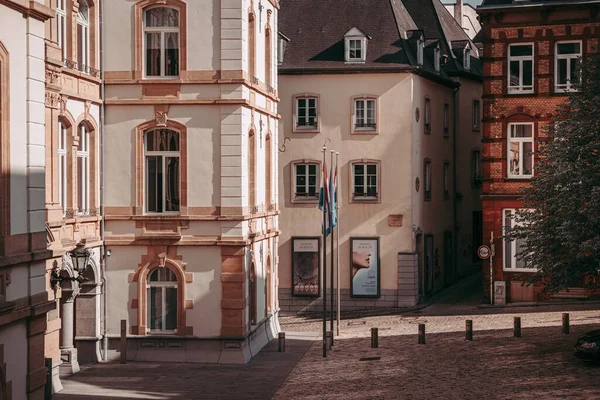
pixel 542 26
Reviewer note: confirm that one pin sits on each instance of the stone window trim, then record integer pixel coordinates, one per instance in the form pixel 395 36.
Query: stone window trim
pixel 138 25
pixel 308 128
pixel 366 130
pixel 521 88
pixel 565 88
pixel 427 179
pixel 69 48
pixel 141 278
pixel 4 144
pixel 307 200
pixel 370 200
pixel 140 131
pixel 510 247
pixel 252 44
pixel 427 115
pixel 520 119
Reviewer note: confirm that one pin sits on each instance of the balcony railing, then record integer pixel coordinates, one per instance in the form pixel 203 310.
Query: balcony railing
pixel 81 67
pixel 370 125
pixel 70 213
pixel 307 124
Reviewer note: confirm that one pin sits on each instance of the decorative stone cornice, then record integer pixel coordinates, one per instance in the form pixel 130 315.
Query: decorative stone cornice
pixel 30 8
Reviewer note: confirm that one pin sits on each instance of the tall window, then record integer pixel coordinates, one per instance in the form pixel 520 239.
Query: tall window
pixel 467 59
pixel 476 117
pixel 476 168
pixel 436 58
pixel 268 58
pixel 566 65
pixel 512 247
pixel 364 114
pixel 161 42
pixel 427 179
pixel 306 112
pixel 251 45
pixel 446 119
pixel 355 50
pixel 427 118
pixel 268 168
pixel 161 292
pixel 61 26
pixel 162 170
pixel 520 65
pixel 83 35
pixel 520 150
pixel 420 51
pixel 306 178
pixel 446 180
pixel 62 167
pixel 252 171
pixel 83 170
pixel 365 181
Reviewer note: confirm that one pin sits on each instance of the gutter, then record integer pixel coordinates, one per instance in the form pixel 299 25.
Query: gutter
pixel 454 185
pixel 104 258
pixel 544 4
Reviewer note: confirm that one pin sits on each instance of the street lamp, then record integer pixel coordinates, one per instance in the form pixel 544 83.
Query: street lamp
pixel 80 256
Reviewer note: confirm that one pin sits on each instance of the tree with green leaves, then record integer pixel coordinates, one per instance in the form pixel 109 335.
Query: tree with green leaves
pixel 558 230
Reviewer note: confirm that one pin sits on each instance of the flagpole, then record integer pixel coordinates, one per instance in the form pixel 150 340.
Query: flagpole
pixel 332 198
pixel 337 269
pixel 324 169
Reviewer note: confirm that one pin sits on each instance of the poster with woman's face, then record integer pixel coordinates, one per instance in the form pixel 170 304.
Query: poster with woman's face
pixel 305 267
pixel 365 267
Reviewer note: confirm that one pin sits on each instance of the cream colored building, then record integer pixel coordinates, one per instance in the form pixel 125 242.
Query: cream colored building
pixel 394 100
pixel 190 170
pixel 466 14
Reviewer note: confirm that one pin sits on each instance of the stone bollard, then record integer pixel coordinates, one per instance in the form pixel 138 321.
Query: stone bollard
pixel 374 338
pixel 469 332
pixel 565 323
pixel 123 343
pixel 517 326
pixel 421 333
pixel 281 342
pixel 329 342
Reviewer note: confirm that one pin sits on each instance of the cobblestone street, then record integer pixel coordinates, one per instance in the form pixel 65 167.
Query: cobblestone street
pixel 495 365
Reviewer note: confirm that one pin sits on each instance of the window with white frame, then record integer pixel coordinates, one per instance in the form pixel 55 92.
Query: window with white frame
pixel 420 51
pixel 306 177
pixel 365 185
pixel 467 58
pixel 62 167
pixel 566 63
pixel 161 42
pixel 520 67
pixel 355 50
pixel 306 112
pixel 162 170
pixel 512 248
pixel 427 118
pixel 520 150
pixel 436 58
pixel 476 115
pixel 476 177
pixel 161 292
pixel 83 170
pixel 365 117
pixel 427 179
pixel 83 35
pixel 61 26
pixel 446 180
pixel 446 119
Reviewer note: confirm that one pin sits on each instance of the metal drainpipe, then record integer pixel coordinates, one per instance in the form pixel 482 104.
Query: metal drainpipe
pixel 104 258
pixel 454 199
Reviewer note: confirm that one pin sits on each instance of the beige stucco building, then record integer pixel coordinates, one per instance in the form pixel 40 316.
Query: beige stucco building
pixel 397 101
pixel 190 164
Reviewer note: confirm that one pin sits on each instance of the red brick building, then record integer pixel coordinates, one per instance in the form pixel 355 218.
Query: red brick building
pixel 530 53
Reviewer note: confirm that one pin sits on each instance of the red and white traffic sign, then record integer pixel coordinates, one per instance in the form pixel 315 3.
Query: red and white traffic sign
pixel 484 252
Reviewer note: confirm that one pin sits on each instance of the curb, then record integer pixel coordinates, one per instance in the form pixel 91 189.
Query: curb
pixel 539 304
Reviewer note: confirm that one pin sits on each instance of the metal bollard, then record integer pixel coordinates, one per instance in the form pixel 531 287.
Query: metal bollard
pixel 123 342
pixel 469 326
pixel 517 326
pixel 565 323
pixel 421 333
pixel 281 342
pixel 329 342
pixel 374 338
pixel 48 386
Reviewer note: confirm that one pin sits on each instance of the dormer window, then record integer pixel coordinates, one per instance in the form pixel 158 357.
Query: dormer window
pixel 281 43
pixel 355 44
pixel 420 50
pixel 436 59
pixel 467 58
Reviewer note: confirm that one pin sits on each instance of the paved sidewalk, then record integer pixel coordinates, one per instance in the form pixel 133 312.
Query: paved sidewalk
pixel 259 379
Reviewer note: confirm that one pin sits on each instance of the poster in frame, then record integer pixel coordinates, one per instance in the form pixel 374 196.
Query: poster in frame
pixel 306 267
pixel 364 267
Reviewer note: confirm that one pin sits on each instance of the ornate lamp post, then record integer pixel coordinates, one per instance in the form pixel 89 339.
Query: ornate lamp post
pixel 81 257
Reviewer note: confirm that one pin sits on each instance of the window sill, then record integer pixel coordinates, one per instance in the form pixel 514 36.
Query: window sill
pixel 161 79
pixel 476 128
pixel 306 130
pixel 360 131
pixel 368 200
pixel 524 178
pixel 355 61
pixel 531 270
pixel 519 92
pixel 301 200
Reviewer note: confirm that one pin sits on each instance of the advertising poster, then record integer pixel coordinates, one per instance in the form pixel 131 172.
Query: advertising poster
pixel 306 277
pixel 364 259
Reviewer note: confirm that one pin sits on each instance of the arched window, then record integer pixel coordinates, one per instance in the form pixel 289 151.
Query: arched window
pixel 251 170
pixel 251 45
pixel 83 170
pixel 161 42
pixel 62 167
pixel 61 26
pixel 268 167
pixel 161 289
pixel 268 58
pixel 253 298
pixel 83 35
pixel 162 152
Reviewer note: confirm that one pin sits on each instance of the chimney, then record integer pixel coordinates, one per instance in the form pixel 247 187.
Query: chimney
pixel 458 12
